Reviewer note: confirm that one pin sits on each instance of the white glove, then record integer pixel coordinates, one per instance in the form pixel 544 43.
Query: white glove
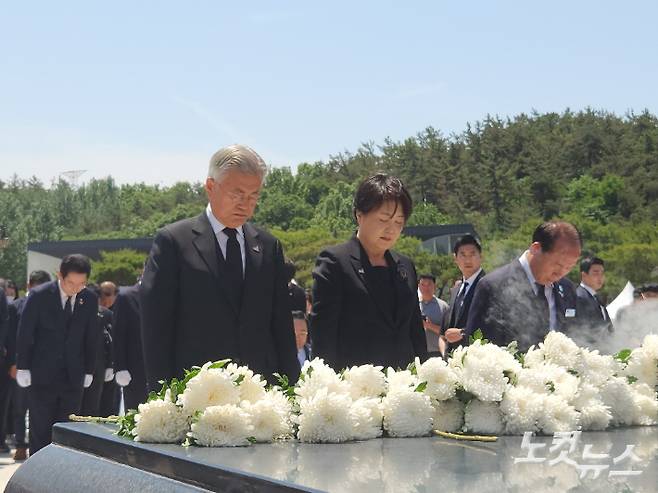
pixel 109 374
pixel 88 379
pixel 123 378
pixel 23 378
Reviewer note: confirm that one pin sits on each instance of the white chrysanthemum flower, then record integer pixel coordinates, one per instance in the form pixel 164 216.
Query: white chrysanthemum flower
pixel 365 381
pixel 222 426
pixel 547 378
pixel 160 422
pixel 617 394
pixel 646 404
pixel 533 357
pixel 269 417
pixel 650 345
pixel 211 387
pixel 407 413
pixel 252 386
pixel 486 371
pixel 483 417
pixel 456 360
pixel 594 415
pixel 448 415
pixel 400 381
pixel 557 415
pixel 560 350
pixel 367 416
pixel 315 376
pixel 441 380
pixel 521 408
pixel 643 366
pixel 325 417
pixel 596 368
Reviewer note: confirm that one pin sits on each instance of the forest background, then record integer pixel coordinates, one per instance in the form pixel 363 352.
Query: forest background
pixel 505 176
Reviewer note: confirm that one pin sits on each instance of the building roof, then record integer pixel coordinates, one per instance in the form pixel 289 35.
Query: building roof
pixel 428 232
pixel 90 248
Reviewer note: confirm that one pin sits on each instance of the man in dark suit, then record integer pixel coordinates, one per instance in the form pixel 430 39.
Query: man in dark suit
pixel 128 349
pixel 56 347
pixel 467 254
pixel 5 380
pixel 104 369
pixel 19 394
pixel 214 286
pixel 524 300
pixel 296 294
pixel 592 322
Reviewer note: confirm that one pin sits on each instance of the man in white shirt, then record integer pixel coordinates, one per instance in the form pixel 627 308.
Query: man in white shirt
pixel 56 347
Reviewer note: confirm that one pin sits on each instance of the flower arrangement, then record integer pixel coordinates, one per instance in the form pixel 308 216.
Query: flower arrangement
pixel 482 388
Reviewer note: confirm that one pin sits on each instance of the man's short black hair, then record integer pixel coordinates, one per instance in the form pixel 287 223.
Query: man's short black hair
pixel 467 239
pixel 649 288
pixel 427 276
pixel 587 263
pixel 76 262
pixel 379 188
pixel 548 233
pixel 38 277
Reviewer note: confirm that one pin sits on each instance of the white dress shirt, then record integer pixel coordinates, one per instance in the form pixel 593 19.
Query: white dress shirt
pixel 222 238
pixel 548 290
pixel 593 293
pixel 470 282
pixel 63 296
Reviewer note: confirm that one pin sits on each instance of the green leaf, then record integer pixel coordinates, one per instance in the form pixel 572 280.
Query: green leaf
pixel 623 355
pixel 631 379
pixel 239 380
pixel 572 371
pixel 550 386
pixel 511 377
pixel 478 335
pixel 421 387
pixel 220 364
pixel 252 440
pixel 127 424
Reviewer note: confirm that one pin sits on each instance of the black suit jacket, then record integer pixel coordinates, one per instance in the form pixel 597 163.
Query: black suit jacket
pixel 126 332
pixel 45 346
pixel 4 325
pixel 589 326
pixel 15 309
pixel 505 307
pixel 189 316
pixel 349 326
pixel 460 313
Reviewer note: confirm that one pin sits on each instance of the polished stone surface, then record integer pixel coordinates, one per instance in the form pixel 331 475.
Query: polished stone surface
pixel 395 465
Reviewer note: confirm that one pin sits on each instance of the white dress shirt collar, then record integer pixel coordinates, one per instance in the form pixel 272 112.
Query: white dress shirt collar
pixel 63 296
pixel 217 225
pixel 588 289
pixel 471 279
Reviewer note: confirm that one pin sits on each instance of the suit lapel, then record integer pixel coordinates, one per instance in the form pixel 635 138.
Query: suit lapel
pixel 207 246
pixel 57 304
pixel 356 253
pixel 254 261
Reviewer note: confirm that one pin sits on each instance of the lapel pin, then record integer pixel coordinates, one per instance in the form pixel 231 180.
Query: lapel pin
pixel 81 301
pixel 361 271
pixel 256 248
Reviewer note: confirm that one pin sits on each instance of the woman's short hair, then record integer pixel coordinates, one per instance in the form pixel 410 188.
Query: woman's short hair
pixel 379 188
pixel 239 158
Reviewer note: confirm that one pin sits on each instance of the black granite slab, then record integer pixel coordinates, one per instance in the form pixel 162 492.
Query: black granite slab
pixel 395 465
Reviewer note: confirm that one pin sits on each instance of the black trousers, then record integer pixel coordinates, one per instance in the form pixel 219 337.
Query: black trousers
pixel 50 404
pixel 19 411
pixel 91 396
pixel 135 393
pixel 110 399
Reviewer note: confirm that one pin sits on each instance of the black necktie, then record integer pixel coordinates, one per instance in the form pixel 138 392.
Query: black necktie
pixel 602 309
pixel 234 264
pixel 459 301
pixel 68 313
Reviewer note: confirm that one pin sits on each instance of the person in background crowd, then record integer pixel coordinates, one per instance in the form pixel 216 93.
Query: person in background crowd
pixel 11 290
pixel 19 395
pixel 5 381
pixel 296 294
pixel 365 301
pixel 309 300
pixel 56 347
pixel 108 294
pixel 214 286
pixel 103 372
pixel 301 337
pixel 592 320
pixel 467 253
pixel 525 299
pixel 128 353
pixel 433 311
pixel 649 292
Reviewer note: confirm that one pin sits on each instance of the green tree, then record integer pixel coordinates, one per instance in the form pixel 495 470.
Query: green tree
pixel 122 267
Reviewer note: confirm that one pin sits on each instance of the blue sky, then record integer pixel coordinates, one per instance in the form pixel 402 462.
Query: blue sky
pixel 147 91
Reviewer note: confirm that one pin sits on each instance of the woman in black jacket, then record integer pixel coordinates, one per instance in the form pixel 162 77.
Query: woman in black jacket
pixel 365 302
